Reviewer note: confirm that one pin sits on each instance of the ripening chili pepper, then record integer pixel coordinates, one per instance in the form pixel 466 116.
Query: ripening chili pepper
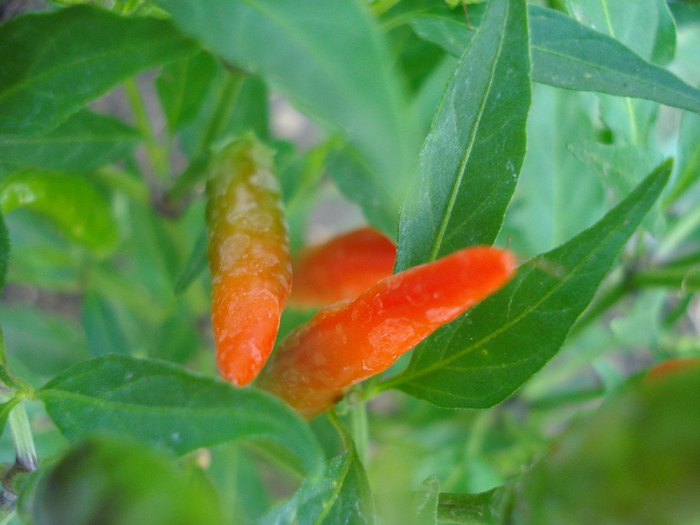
pixel 670 367
pixel 249 259
pixel 349 341
pixel 341 268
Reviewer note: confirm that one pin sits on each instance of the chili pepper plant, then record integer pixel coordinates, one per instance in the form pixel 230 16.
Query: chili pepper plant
pixel 349 261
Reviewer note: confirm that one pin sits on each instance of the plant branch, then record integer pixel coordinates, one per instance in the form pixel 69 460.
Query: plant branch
pixel 157 153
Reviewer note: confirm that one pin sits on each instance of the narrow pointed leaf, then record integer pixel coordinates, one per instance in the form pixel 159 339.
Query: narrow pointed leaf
pixel 469 163
pixel 330 59
pixel 85 141
pixel 483 357
pixel 54 63
pixel 171 408
pixel 570 55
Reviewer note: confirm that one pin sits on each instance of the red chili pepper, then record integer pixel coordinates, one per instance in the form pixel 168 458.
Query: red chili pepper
pixel 249 258
pixel 349 341
pixel 341 268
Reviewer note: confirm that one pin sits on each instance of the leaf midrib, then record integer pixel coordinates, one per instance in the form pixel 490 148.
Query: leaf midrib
pixel 437 243
pixel 406 378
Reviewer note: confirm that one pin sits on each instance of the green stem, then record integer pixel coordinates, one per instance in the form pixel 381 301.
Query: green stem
pixel 220 116
pixel 222 112
pixel 157 154
pixel 342 430
pixel 566 398
pixel 685 278
pixel 360 430
pixel 677 311
pixel 27 458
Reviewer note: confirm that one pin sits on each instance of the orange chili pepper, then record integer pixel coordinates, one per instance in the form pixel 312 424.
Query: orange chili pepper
pixel 349 341
pixel 248 250
pixel 341 268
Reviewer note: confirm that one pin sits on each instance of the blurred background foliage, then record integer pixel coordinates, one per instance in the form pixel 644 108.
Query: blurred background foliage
pixel 106 231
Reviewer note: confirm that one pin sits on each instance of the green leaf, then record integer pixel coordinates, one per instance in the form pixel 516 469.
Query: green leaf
pixel 557 196
pixel 176 339
pixel 52 344
pixel 417 57
pixel 79 210
pixel 152 253
pixel 348 169
pixel 483 357
pixel 648 470
pixel 620 167
pixel 647 28
pixel 84 142
pixel 54 63
pixel 342 495
pixel 4 251
pixel 685 14
pixel 644 26
pixel 238 478
pixel 171 408
pixel 688 155
pixel 41 256
pixel 183 86
pixel 341 71
pixel 115 482
pixel 469 163
pixel 569 55
pixel 103 331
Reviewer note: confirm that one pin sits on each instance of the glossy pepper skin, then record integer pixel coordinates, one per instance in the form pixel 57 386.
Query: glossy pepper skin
pixel 349 341
pixel 341 268
pixel 249 259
